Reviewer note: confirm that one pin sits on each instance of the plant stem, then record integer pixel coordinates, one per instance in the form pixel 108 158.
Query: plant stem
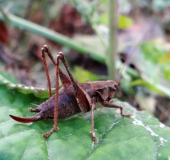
pixel 50 34
pixel 112 48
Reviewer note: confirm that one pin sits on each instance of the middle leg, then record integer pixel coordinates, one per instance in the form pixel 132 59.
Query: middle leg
pixel 55 126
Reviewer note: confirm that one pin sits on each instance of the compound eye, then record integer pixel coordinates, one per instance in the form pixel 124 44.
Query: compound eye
pixel 112 89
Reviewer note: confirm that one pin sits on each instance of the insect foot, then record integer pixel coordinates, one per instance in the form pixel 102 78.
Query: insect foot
pixel 127 115
pixel 46 135
pixel 93 136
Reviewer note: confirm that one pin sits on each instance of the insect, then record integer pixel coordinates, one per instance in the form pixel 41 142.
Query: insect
pixel 75 97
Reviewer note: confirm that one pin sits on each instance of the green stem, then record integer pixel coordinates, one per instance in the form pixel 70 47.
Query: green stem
pixel 50 34
pixel 112 48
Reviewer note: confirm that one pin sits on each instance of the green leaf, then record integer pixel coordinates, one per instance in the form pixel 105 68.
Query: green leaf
pixel 165 58
pixel 104 19
pixel 39 92
pixel 10 78
pixel 156 53
pixel 85 75
pixel 138 137
pixel 152 50
pixel 148 85
pixel 123 21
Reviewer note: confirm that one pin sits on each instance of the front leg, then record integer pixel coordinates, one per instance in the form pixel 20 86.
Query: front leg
pixel 111 105
pixel 92 133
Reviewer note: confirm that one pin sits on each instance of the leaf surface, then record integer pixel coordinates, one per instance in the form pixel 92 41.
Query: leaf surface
pixel 139 137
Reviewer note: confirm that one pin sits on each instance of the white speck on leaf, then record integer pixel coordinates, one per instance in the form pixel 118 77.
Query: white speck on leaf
pixel 138 122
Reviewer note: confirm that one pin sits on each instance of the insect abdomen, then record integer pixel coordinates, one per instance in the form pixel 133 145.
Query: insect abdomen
pixel 67 105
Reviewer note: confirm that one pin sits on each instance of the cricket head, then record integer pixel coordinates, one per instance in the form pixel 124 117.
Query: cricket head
pixel 105 89
pixel 111 89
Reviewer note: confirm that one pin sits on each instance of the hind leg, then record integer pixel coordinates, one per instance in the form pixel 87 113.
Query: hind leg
pixel 64 79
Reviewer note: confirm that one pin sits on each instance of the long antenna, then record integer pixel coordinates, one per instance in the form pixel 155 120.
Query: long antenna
pixel 133 51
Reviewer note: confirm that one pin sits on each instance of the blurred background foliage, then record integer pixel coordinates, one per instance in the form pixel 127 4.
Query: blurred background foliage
pixel 80 30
